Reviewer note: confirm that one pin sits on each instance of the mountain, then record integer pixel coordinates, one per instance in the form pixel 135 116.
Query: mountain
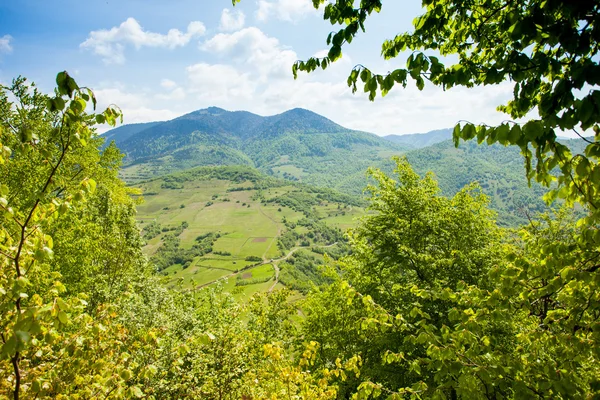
pixel 297 144
pixel 126 131
pixel 300 145
pixel 420 140
pixel 498 170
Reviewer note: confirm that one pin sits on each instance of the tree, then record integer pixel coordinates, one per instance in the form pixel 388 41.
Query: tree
pixel 547 48
pixel 80 314
pixel 48 154
pixel 513 339
pixel 411 241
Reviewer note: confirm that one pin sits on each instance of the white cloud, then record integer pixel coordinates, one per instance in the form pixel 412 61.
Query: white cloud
pixel 110 44
pixel 254 48
pixel 232 20
pixel 5 46
pixel 168 84
pixel 136 107
pixel 175 94
pixel 254 74
pixel 174 91
pixel 286 10
pixel 219 82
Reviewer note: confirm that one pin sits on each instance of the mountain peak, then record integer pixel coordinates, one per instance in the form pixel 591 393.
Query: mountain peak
pixel 299 110
pixel 214 111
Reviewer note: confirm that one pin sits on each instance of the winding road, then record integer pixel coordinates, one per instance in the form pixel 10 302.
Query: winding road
pixel 274 261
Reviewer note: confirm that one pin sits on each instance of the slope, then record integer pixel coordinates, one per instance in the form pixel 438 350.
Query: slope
pixel 297 145
pixel 124 132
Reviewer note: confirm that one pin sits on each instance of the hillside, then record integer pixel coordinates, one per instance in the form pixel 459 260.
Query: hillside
pixel 124 132
pixel 302 146
pixel 297 145
pixel 498 169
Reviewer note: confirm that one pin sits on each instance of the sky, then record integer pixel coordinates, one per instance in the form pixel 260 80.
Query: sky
pixel 159 59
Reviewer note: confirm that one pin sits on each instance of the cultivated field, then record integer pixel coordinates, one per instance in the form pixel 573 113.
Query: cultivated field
pixel 245 255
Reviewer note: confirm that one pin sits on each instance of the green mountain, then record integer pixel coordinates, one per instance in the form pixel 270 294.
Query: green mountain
pixel 299 145
pixel 498 169
pixel 124 132
pixel 420 140
pixel 296 145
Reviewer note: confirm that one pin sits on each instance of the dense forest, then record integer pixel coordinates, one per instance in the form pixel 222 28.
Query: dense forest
pixel 427 296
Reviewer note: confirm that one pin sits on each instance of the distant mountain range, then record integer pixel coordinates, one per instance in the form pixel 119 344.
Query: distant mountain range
pixel 420 140
pixel 301 145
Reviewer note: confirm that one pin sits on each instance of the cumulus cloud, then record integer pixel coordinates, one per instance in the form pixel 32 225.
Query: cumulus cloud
pixel 285 10
pixel 219 82
pixel 254 48
pixel 174 92
pixel 168 84
pixel 110 43
pixel 136 106
pixel 5 46
pixel 253 72
pixel 232 20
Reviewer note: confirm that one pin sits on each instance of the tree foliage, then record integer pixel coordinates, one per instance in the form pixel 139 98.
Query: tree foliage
pixel 533 330
pixel 81 313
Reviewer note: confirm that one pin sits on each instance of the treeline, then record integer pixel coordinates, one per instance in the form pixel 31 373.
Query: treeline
pixel 234 173
pixel 170 253
pixel 300 272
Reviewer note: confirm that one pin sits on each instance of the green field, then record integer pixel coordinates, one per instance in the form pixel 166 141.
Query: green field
pixel 247 226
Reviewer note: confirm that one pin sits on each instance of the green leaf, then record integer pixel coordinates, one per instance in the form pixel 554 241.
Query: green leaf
pixel 136 392
pixel 9 347
pixel 206 338
pixel 515 134
pixel 63 318
pixel 502 133
pixel 456 135
pixel 468 132
pixel 583 168
pixel 23 337
pixel 533 130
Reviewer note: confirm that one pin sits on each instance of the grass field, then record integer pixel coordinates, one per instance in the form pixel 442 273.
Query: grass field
pixel 247 224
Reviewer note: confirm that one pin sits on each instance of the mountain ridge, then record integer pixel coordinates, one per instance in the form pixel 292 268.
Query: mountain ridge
pixel 297 144
pixel 420 140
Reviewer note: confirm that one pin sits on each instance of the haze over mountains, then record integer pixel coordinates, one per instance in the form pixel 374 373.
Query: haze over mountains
pixel 420 140
pixel 301 145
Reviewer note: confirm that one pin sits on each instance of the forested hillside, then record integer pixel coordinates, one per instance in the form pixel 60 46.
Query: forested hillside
pixel 297 145
pixel 301 146
pixel 420 140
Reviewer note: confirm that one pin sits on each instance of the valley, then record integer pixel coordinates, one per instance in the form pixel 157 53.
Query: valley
pixel 236 226
pixel 253 204
pixel 303 147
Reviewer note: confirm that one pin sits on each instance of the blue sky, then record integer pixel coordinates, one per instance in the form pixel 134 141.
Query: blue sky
pixel 159 59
